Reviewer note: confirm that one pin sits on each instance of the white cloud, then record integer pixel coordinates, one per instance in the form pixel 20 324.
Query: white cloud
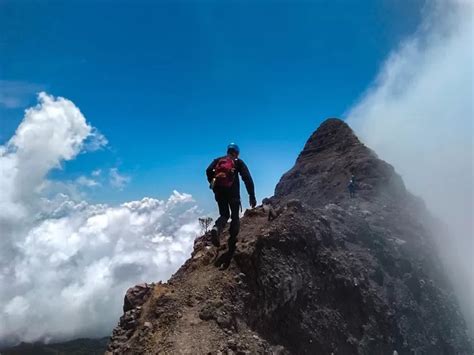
pixel 76 266
pixel 95 141
pixel 117 180
pixel 96 172
pixel 65 263
pixel 87 182
pixel 418 115
pixel 50 133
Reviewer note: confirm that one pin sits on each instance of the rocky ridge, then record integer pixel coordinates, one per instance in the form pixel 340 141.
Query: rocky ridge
pixel 329 274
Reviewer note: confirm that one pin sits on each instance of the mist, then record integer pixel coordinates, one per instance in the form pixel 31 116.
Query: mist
pixel 417 115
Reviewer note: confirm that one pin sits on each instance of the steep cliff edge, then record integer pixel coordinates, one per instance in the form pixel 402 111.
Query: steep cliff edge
pixel 329 275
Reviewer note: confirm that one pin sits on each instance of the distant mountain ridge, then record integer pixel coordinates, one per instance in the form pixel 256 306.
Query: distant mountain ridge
pixel 72 347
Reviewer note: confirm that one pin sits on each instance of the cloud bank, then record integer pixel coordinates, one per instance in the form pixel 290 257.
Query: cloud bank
pixel 65 263
pixel 418 115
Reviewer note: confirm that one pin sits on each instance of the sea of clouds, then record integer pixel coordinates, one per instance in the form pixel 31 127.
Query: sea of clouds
pixel 65 264
pixel 418 115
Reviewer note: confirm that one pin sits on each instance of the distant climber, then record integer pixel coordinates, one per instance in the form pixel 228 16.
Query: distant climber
pixel 223 176
pixel 351 187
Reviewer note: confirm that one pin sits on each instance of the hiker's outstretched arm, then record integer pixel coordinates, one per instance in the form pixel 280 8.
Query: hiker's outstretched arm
pixel 247 178
pixel 210 170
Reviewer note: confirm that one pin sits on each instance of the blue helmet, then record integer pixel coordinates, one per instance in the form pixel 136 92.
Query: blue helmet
pixel 233 147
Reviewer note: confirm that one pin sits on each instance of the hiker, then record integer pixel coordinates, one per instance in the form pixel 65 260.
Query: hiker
pixel 223 176
pixel 351 187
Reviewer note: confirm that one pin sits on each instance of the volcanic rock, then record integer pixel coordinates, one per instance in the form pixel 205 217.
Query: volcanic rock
pixel 326 274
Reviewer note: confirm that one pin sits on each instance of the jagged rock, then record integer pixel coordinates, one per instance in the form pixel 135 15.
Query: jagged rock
pixel 296 204
pixel 208 312
pixel 136 296
pixel 224 321
pixel 329 275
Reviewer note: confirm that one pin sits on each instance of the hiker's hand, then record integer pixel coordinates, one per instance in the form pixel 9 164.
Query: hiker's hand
pixel 252 201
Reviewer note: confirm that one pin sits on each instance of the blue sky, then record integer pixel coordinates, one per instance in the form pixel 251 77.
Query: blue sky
pixel 171 83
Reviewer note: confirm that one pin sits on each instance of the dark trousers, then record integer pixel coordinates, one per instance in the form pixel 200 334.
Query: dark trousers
pixel 229 207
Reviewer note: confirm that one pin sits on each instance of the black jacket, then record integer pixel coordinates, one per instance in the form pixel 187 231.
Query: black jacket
pixel 240 168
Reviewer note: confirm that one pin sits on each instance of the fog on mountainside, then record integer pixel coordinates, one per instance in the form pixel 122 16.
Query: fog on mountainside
pixel 418 115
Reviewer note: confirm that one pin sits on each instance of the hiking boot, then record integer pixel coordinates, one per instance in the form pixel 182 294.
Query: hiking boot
pixel 215 237
pixel 223 261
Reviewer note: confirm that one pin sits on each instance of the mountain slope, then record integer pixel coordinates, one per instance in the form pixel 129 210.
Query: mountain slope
pixel 329 275
pixel 71 347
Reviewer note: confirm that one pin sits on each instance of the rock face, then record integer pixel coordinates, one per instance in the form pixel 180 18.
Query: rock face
pixel 323 169
pixel 329 274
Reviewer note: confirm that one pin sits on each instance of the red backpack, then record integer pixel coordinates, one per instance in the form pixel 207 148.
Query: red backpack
pixel 224 172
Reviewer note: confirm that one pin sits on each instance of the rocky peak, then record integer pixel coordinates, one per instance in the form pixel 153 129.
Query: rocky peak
pixel 328 274
pixel 331 156
pixel 333 133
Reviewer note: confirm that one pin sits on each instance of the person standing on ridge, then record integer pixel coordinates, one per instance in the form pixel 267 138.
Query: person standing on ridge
pixel 223 176
pixel 351 187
